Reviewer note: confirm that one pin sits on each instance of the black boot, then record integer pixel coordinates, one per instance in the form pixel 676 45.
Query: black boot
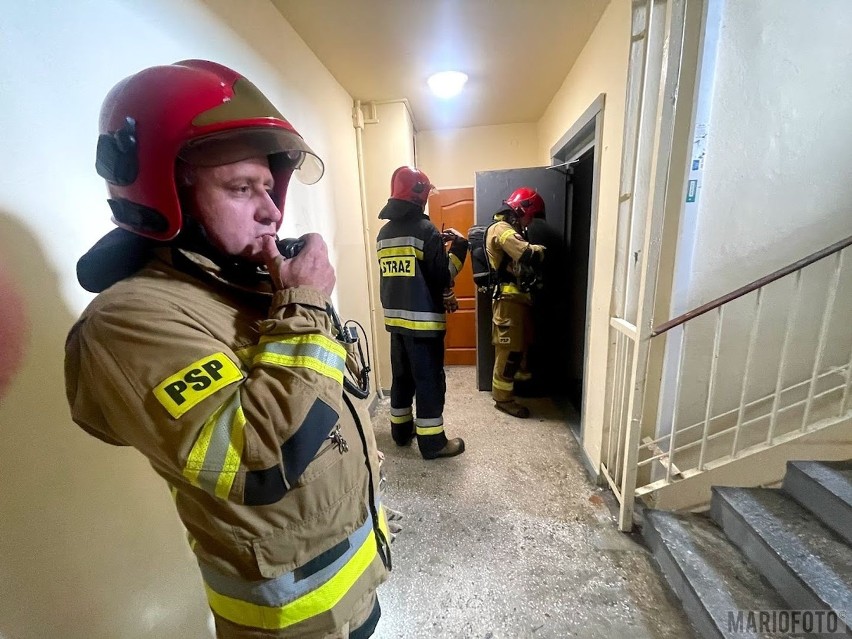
pixel 403 433
pixel 452 448
pixel 513 408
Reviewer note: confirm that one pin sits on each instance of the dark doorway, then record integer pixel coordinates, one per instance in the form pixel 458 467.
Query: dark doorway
pixel 578 232
pixel 561 313
pixel 492 188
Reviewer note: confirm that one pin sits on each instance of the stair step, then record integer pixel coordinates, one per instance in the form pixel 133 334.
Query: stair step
pixel 824 488
pixel 806 564
pixel 707 573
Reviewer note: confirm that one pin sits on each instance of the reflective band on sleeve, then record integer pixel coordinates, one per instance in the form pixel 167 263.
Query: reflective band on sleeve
pixel 383 521
pixel 505 235
pixel 510 289
pixel 316 352
pixel 274 604
pixel 186 388
pixel 455 266
pixel 216 456
pixel 429 426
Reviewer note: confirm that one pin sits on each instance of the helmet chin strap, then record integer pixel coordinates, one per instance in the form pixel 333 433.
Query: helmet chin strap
pixel 193 237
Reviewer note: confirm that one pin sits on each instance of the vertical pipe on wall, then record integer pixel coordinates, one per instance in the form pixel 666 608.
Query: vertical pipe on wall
pixel 358 123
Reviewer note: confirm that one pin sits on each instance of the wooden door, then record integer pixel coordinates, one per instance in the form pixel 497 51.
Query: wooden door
pixel 453 208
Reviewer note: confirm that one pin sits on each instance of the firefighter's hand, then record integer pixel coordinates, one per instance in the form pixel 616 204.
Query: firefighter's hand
pixel 451 304
pixel 309 268
pixel 451 233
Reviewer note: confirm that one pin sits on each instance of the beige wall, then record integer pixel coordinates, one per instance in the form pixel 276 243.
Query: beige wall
pixel 388 143
pixel 773 141
pixel 451 157
pixel 90 546
pixel 601 68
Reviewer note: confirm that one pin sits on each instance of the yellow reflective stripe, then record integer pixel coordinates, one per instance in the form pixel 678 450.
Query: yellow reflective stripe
pixel 506 234
pixel 400 251
pixel 195 461
pixel 429 430
pixel 501 385
pixel 303 344
pixel 383 522
pixel 218 450
pixel 327 343
pixel 247 353
pixel 510 288
pixel 400 419
pixel 233 457
pixel 315 602
pixel 301 361
pixel 415 325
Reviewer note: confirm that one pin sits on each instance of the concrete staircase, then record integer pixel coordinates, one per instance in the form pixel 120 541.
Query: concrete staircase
pixel 764 556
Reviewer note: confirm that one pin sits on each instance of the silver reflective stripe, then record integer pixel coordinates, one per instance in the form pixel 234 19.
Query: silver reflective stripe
pixel 400 412
pixel 415 315
pixel 429 421
pixel 400 241
pixel 217 450
pixel 284 589
pixel 314 351
pixel 216 455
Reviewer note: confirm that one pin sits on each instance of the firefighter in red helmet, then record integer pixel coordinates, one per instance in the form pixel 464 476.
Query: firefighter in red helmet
pixel 216 358
pixel 516 263
pixel 417 276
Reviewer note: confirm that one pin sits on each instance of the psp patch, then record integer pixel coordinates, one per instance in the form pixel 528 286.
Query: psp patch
pixel 402 266
pixel 180 392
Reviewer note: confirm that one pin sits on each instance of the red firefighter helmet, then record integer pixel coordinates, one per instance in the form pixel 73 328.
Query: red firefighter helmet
pixel 526 202
pixel 411 185
pixel 196 111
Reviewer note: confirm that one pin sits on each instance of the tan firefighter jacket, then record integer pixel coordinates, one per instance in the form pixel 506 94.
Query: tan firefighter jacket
pixel 235 397
pixel 506 248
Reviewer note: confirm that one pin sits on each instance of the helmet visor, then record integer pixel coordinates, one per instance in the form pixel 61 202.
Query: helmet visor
pixel 235 145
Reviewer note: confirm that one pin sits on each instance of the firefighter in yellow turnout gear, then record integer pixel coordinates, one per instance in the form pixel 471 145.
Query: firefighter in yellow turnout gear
pixel 222 362
pixel 515 261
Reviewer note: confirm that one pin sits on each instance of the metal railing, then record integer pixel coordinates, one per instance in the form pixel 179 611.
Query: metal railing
pixel 809 392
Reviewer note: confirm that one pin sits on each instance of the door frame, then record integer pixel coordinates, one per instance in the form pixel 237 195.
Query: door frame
pixel 586 133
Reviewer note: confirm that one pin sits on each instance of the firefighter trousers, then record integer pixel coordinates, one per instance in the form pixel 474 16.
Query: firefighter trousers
pixel 511 335
pixel 417 367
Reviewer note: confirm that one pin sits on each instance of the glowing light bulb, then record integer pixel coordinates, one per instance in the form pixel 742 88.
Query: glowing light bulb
pixel 447 84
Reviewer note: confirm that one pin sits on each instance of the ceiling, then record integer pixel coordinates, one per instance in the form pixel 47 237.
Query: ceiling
pixel 515 52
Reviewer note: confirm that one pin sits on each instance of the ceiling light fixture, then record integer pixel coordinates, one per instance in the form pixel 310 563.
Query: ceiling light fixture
pixel 447 84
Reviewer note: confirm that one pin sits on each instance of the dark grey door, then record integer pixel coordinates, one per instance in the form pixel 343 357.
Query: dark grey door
pixel 492 188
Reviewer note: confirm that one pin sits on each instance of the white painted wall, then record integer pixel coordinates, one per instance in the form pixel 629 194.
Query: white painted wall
pixel 774 146
pixel 90 545
pixel 451 157
pixel 388 143
pixel 600 68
